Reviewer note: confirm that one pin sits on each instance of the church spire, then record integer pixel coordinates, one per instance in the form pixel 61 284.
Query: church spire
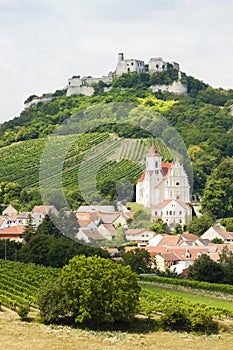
pixel 154 151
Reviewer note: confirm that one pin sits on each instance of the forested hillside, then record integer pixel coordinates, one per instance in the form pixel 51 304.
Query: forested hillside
pixel 202 118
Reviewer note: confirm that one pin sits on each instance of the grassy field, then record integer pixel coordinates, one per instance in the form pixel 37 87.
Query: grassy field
pixel 19 335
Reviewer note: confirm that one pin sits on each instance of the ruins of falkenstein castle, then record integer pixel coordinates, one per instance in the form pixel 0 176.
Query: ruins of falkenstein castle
pixel 78 85
pixel 84 85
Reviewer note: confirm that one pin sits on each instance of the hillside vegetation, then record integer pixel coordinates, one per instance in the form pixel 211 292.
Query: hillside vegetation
pixel 130 110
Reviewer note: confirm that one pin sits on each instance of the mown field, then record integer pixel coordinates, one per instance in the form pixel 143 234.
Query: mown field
pixel 19 335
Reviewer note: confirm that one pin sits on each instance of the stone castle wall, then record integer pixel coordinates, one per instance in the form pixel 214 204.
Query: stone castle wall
pixel 176 87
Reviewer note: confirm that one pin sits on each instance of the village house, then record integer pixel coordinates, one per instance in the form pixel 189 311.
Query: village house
pixel 96 208
pixel 108 231
pixel 10 210
pixel 39 212
pixel 175 257
pixel 87 220
pixel 218 231
pixel 139 236
pixel 22 219
pixel 89 235
pixel 13 233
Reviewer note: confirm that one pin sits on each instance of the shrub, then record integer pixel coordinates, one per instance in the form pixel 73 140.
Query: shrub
pixel 52 303
pixel 23 311
pixel 202 321
pixel 175 319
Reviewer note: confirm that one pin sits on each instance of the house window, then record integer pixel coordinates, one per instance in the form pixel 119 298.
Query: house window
pixel 156 213
pixel 180 212
pixel 174 213
pixel 128 69
pixel 170 212
pixel 177 183
pixel 166 212
pixel 180 221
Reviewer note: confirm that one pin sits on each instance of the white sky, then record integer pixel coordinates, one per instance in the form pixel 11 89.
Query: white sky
pixel 45 42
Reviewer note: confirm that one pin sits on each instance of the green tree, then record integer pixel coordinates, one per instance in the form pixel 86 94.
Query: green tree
pixel 199 225
pixel 48 226
pixel 99 290
pixel 228 223
pixel 207 270
pixel 9 249
pixel 138 259
pixel 218 195
pixel 29 229
pixel 159 226
pixel 67 223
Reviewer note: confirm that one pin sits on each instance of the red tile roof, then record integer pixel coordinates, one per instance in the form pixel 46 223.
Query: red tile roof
pixel 142 177
pixel 169 240
pixel 163 204
pixel 12 231
pixel 170 257
pixel 166 167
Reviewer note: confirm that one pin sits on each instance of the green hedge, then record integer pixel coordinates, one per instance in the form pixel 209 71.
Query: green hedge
pixel 223 288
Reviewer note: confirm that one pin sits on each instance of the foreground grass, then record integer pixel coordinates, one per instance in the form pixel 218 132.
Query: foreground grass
pixel 18 335
pixel 193 298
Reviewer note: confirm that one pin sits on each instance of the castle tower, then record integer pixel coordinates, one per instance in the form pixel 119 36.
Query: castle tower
pixel 120 57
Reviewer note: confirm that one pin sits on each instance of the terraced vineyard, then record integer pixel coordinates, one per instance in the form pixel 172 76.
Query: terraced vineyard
pixel 19 282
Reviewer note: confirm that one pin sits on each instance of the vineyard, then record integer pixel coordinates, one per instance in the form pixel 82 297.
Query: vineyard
pixel 87 154
pixel 153 301
pixel 19 283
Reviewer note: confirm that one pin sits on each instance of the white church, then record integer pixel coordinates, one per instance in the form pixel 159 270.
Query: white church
pixel 164 187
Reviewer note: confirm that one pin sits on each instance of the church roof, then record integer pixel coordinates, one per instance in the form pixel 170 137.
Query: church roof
pixel 154 151
pixel 142 177
pixel 166 167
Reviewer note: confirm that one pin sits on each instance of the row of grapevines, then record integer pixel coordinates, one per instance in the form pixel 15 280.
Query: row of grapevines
pixel 19 282
pixel 151 302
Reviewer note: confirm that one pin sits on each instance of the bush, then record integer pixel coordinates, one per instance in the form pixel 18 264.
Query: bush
pixel 52 303
pixel 23 311
pixel 202 321
pixel 175 319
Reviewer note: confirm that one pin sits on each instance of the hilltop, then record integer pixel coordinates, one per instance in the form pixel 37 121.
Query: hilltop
pixel 202 117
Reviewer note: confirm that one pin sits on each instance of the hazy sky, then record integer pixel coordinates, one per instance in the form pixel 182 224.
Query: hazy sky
pixel 44 42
